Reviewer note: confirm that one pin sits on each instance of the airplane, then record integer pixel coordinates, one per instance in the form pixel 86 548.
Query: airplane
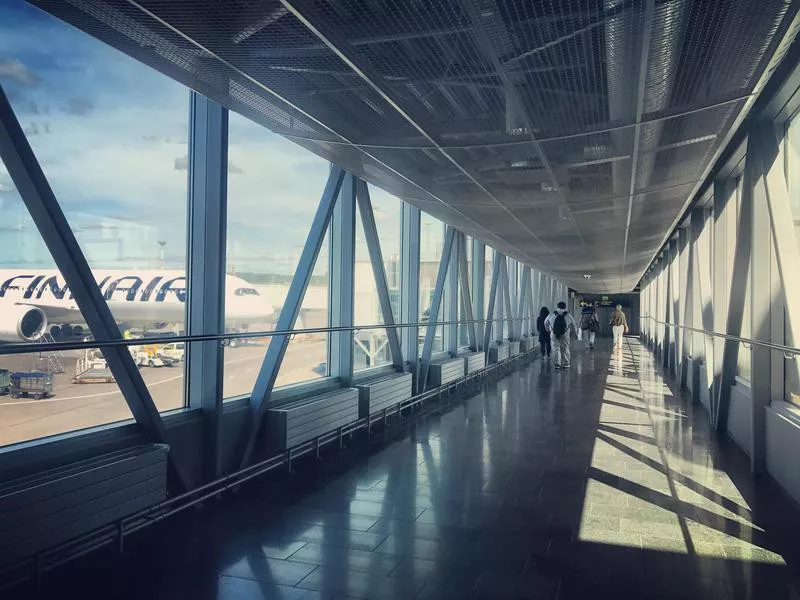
pixel 35 302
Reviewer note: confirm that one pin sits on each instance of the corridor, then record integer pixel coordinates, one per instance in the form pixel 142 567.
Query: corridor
pixel 597 482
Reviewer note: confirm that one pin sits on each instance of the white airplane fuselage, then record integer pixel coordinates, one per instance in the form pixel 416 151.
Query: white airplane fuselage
pixel 136 299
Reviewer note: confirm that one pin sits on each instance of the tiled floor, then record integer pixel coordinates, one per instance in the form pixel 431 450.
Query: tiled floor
pixel 597 482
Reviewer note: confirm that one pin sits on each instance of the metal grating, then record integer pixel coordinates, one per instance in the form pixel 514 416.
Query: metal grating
pixel 520 122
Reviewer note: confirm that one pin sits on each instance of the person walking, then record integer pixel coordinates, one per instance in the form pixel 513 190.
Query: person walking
pixel 560 323
pixel 590 325
pixel 544 334
pixel 619 326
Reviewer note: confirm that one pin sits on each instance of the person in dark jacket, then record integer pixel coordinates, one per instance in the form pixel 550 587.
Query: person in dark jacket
pixel 544 335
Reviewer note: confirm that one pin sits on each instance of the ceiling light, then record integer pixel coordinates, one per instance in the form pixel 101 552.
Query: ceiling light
pixel 587 276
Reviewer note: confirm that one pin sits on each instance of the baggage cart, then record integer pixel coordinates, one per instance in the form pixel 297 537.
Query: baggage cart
pixel 31 384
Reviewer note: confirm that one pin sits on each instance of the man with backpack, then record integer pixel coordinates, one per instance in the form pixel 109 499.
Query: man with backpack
pixel 559 323
pixel 590 325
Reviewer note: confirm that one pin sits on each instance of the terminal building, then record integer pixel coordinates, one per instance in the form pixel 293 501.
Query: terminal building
pixel 297 297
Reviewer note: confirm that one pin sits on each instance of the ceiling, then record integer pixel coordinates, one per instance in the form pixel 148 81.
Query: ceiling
pixel 568 134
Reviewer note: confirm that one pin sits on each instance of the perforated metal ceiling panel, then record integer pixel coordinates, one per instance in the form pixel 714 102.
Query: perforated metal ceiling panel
pixel 568 134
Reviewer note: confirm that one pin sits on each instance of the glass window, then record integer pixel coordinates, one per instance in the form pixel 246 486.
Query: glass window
pixel 431 238
pixel 487 289
pixel 274 189
pixel 371 345
pixel 111 136
pixel 792 392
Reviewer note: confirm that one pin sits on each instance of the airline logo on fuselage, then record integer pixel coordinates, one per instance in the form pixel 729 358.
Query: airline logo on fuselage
pixel 127 288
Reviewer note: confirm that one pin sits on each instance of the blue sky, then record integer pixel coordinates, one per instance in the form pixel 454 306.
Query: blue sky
pixel 111 135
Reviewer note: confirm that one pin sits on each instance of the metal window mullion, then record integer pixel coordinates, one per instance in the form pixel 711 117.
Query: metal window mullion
pixel 523 302
pixel 268 372
pixel 487 336
pixel 342 280
pixel 721 285
pixel 450 304
pixel 478 287
pixel 44 209
pixel 409 284
pixel 760 310
pixel 207 225
pixel 436 302
pixel 685 286
pixel 705 308
pixel 737 296
pixel 466 295
pixel 378 270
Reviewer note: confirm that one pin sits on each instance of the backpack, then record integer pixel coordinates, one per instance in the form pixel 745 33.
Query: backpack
pixel 560 325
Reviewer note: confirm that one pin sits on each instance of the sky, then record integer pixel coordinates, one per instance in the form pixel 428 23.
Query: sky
pixel 111 135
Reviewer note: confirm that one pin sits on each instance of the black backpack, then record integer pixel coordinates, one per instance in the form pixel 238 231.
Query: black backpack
pixel 560 325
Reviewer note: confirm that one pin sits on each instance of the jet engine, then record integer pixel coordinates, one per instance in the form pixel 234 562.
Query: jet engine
pixel 22 323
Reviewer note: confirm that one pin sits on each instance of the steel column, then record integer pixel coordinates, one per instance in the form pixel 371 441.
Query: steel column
pixel 478 286
pixel 523 301
pixel 721 285
pixel 409 284
pixel 436 302
pixel 450 307
pixel 35 191
pixel 205 277
pixel 378 270
pixel 342 280
pixel 685 280
pixel 487 336
pixel 764 295
pixel 508 312
pixel 736 302
pixel 466 295
pixel 265 381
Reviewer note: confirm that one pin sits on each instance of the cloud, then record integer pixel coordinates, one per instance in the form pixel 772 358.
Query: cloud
pixel 80 106
pixel 15 70
pixel 182 164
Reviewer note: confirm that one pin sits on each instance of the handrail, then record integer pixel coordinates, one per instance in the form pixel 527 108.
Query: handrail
pixel 30 347
pixel 787 350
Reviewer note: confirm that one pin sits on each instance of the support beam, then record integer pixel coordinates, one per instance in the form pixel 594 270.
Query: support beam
pixel 675 317
pixel 478 288
pixel 685 269
pixel 265 381
pixel 450 312
pixel 205 277
pixel 466 296
pixel 523 302
pixel 436 303
pixel 342 280
pixel 409 283
pixel 721 284
pixel 36 193
pixel 703 273
pixel 761 311
pixel 737 297
pixel 487 336
pixel 378 271
pixel 508 312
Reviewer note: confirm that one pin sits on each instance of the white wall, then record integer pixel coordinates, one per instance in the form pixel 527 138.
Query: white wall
pixel 740 417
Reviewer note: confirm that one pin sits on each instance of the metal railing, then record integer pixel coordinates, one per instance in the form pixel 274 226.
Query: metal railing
pixel 223 338
pixel 788 351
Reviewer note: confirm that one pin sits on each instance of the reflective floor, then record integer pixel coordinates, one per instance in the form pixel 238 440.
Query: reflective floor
pixel 595 482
